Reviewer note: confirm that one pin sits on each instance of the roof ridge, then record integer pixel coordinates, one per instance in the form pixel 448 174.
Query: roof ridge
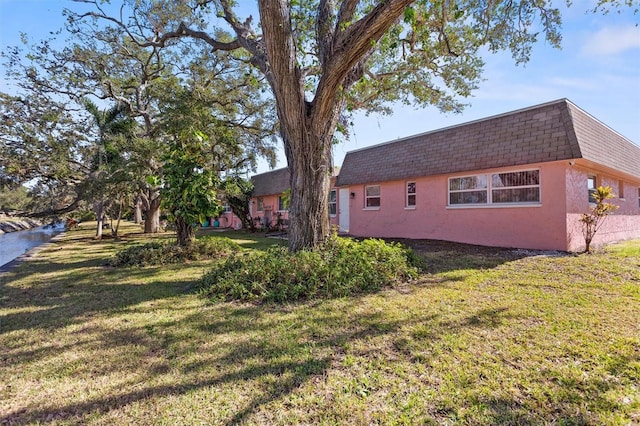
pixel 466 123
pixel 271 171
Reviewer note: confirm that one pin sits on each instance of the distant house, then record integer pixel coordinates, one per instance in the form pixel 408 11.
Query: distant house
pixel 268 197
pixel 268 202
pixel 226 219
pixel 520 179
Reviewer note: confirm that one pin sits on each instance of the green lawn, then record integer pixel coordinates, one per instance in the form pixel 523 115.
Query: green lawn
pixel 486 336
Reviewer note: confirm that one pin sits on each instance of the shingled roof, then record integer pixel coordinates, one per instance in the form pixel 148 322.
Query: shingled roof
pixel 553 131
pixel 275 181
pixel 269 183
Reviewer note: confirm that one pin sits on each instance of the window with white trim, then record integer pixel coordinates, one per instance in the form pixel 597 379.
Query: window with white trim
pixel 372 196
pixel 468 190
pixel 520 187
pixel 333 202
pixel 591 187
pixel 410 200
pixel 515 187
pixel 260 204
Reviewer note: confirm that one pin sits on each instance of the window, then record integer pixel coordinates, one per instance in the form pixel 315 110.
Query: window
pixel 411 194
pixel 639 198
pixel 468 190
pixel 522 187
pixel 621 189
pixel 283 203
pixel 591 187
pixel 333 205
pixel 516 187
pixel 372 196
pixel 260 204
pixel 227 208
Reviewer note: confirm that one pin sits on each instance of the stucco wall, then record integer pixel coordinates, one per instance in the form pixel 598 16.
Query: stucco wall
pixel 624 224
pixel 541 226
pixel 270 209
pixel 272 202
pixel 229 220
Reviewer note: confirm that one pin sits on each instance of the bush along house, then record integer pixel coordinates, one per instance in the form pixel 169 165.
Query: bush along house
pixel 521 179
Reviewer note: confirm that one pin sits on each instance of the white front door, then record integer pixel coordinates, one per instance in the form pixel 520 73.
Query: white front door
pixel 343 210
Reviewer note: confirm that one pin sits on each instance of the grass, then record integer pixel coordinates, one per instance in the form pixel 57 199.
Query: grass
pixel 486 336
pixel 255 241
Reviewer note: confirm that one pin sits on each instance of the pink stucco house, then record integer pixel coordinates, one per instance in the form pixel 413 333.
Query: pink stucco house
pixel 520 179
pixel 268 198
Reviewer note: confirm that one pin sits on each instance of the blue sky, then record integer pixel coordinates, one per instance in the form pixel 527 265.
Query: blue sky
pixel 598 69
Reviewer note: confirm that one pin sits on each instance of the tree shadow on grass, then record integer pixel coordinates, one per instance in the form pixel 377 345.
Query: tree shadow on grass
pixel 265 368
pixel 50 293
pixel 264 354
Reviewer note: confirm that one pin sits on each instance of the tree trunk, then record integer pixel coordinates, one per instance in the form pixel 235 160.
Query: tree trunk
pixel 310 167
pixel 99 208
pixel 114 229
pixel 151 209
pixel 137 210
pixel 152 218
pixel 184 232
pixel 307 127
pixel 241 210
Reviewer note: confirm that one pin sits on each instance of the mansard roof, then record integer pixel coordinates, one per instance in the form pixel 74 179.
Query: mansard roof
pixel 269 183
pixel 275 181
pixel 553 131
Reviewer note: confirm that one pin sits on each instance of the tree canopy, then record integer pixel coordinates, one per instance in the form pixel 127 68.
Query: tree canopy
pixel 99 69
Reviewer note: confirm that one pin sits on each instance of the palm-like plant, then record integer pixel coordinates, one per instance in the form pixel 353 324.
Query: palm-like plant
pixel 112 124
pixel 593 220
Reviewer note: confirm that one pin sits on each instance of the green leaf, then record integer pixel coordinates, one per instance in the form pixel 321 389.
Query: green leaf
pixel 409 15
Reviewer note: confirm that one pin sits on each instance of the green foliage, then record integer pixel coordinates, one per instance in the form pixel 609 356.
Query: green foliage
pixel 14 198
pixel 85 215
pixel 341 267
pixel 189 193
pixel 162 253
pixel 286 198
pixel 46 146
pixel 593 220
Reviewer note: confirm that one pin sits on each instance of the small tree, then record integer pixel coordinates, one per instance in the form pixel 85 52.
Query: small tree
pixel 593 220
pixel 238 195
pixel 189 192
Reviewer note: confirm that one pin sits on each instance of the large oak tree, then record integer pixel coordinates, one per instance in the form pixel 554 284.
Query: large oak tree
pixel 105 64
pixel 324 59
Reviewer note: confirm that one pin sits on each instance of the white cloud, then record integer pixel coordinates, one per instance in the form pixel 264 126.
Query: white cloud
pixel 612 40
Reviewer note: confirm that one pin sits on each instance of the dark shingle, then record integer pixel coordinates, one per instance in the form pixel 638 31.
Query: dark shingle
pixel 549 132
pixel 269 183
pixel 602 145
pixel 275 181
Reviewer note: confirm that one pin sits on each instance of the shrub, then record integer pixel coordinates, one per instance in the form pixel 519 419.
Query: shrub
pixel 162 253
pixel 593 220
pixel 341 267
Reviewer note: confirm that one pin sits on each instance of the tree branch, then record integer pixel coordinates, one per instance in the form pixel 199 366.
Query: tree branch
pixel 55 212
pixel 161 40
pixel 351 46
pixel 325 31
pixel 286 78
